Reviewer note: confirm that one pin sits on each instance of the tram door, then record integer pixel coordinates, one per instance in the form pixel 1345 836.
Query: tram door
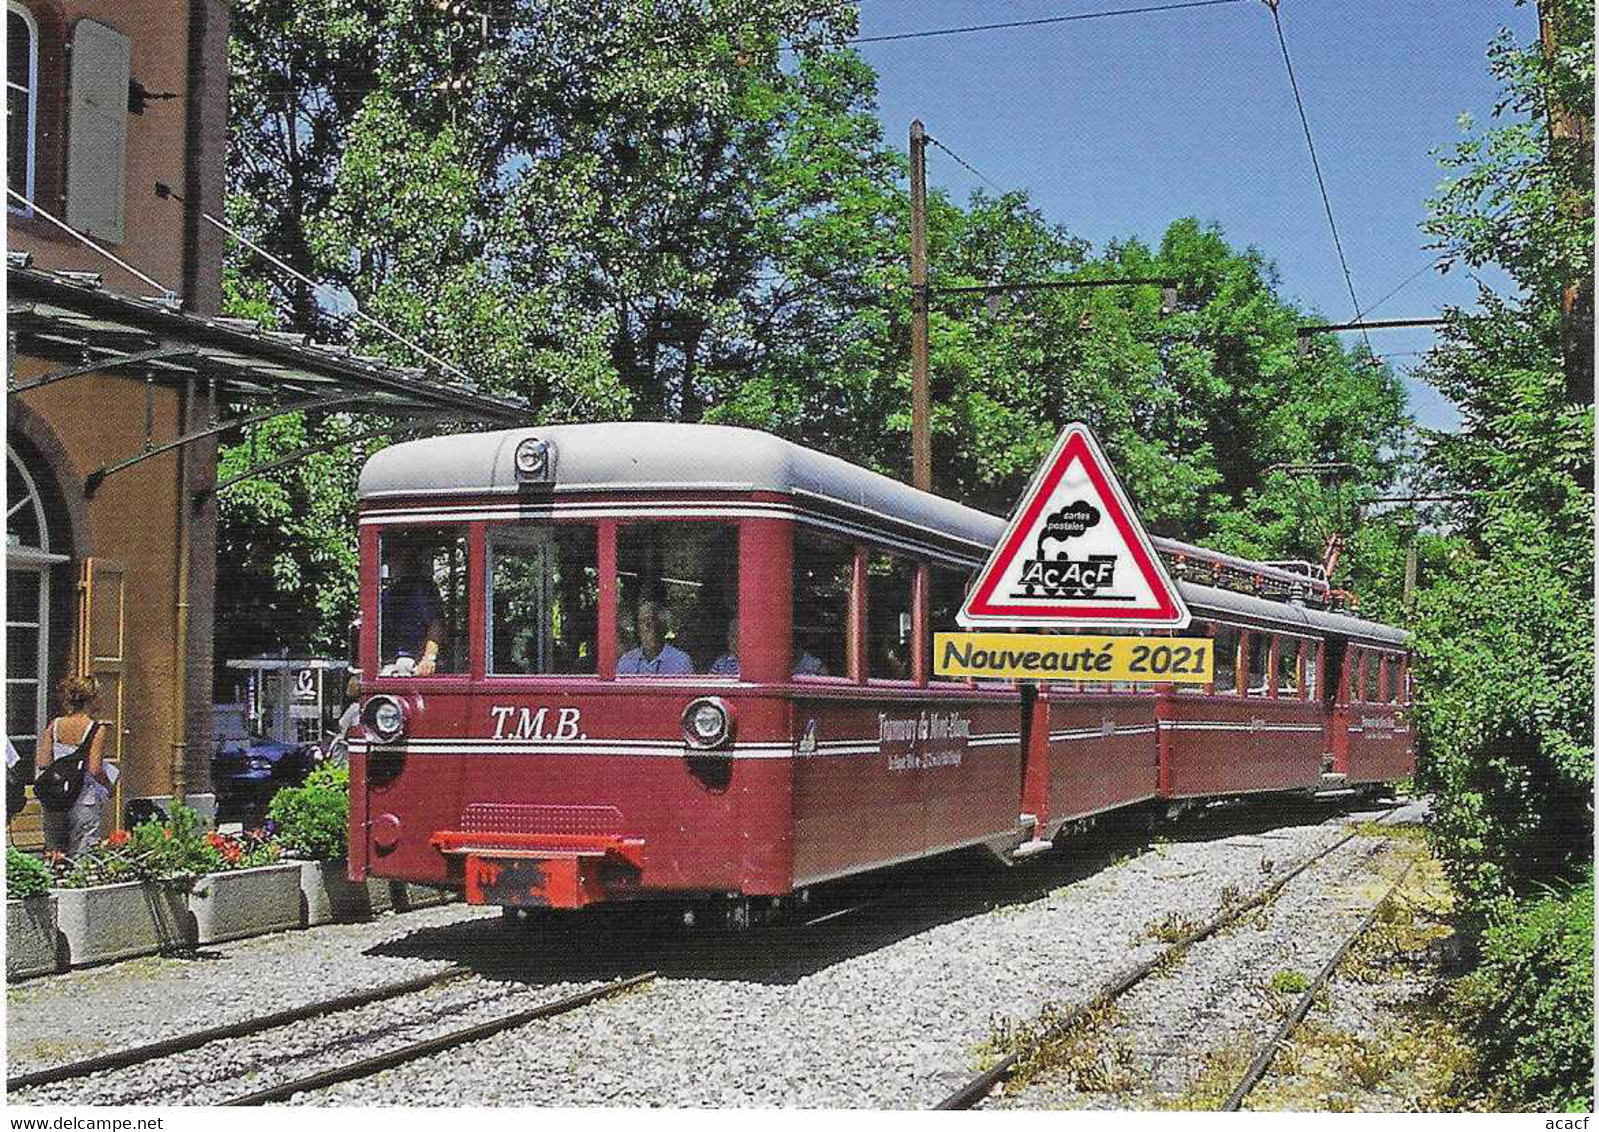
pixel 1335 702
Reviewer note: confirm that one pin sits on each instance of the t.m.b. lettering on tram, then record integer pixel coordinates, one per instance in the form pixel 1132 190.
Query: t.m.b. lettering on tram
pixel 1052 571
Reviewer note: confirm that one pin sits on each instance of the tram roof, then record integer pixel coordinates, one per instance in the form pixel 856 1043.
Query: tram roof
pixel 1287 616
pixel 656 456
pixel 647 456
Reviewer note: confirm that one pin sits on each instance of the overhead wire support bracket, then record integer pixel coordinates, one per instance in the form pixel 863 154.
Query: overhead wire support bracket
pixel 162 354
pixel 1055 285
pixel 1377 324
pixel 313 449
pixel 95 478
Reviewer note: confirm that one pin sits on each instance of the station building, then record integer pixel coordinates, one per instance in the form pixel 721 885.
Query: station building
pixel 122 376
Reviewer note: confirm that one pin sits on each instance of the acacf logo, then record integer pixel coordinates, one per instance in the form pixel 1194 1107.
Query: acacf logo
pixel 1058 574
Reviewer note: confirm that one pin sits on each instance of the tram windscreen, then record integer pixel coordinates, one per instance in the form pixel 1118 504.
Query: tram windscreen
pixel 677 599
pixel 422 601
pixel 544 598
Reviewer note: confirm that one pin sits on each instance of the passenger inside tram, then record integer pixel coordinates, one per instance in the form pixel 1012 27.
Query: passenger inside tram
pixel 654 655
pixel 727 664
pixel 414 623
pixel 677 596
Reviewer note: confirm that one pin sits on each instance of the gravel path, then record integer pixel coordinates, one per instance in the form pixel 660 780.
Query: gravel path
pixel 882 1007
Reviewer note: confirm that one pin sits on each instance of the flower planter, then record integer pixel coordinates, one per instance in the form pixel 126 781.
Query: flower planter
pixel 120 921
pixel 249 902
pixel 329 896
pixel 408 896
pixel 32 945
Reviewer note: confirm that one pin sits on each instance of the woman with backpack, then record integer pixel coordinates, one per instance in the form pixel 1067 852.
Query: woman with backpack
pixel 74 828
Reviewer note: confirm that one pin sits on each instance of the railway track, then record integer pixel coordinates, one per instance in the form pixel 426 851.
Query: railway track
pixel 981 1085
pixel 170 1047
pixel 430 1046
pixel 1279 1038
pixel 183 1043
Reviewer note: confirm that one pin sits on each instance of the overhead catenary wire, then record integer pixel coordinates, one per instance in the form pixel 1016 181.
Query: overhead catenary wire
pixel 1407 281
pixel 166 292
pixel 1315 164
pixel 1074 18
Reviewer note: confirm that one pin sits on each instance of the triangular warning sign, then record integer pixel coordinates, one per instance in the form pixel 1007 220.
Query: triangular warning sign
pixel 1074 553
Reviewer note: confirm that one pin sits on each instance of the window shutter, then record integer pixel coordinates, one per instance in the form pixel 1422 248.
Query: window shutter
pixel 97 131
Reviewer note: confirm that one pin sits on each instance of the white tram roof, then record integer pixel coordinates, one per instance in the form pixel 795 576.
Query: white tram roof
pixel 648 456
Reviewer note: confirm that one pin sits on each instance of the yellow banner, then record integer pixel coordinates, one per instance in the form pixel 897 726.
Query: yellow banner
pixel 1038 656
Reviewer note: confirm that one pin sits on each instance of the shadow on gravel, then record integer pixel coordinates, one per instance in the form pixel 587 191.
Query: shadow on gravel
pixel 858 915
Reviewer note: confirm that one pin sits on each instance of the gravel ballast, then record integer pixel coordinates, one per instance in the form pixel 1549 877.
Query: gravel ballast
pixel 885 1006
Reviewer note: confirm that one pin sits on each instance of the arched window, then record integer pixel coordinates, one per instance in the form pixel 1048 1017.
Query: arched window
pixel 28 562
pixel 22 102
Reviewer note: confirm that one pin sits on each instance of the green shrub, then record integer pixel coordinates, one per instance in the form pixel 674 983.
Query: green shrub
pixel 313 820
pixel 1531 1001
pixel 25 875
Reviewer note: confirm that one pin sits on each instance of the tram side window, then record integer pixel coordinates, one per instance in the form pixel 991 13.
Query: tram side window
pixel 1373 670
pixel 1259 656
pixel 1226 658
pixel 1390 679
pixel 1312 654
pixel 822 569
pixel 1288 649
pixel 946 592
pixel 677 594
pixel 891 586
pixel 422 601
pixel 544 599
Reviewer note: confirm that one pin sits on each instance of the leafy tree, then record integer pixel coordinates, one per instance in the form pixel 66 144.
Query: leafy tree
pixel 1505 631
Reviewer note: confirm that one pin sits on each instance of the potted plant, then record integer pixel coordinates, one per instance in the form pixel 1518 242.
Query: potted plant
pixel 31 943
pixel 312 822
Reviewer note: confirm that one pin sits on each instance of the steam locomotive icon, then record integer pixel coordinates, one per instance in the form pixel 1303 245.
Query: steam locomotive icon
pixel 1059 575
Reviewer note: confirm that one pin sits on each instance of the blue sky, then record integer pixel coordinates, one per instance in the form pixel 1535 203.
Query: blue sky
pixel 1115 127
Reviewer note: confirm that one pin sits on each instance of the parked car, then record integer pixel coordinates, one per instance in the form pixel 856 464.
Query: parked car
pixel 275 733
pixel 246 773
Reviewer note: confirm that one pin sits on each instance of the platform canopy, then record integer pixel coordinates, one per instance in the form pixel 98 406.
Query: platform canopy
pixel 70 318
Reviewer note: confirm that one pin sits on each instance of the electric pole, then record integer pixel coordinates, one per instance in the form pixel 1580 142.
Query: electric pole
pixel 921 400
pixel 1571 139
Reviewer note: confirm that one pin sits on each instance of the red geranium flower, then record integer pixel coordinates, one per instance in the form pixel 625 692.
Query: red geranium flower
pixel 118 837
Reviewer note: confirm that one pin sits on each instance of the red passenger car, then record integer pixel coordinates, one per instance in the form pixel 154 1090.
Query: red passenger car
pixel 621 661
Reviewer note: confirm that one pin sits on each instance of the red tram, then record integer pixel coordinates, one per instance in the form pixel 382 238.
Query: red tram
pixel 622 661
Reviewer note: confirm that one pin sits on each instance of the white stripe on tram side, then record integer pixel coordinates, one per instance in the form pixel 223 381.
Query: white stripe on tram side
pixel 663 510
pixel 639 747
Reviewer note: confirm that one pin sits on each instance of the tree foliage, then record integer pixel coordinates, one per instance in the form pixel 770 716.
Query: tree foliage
pixel 1505 630
pixel 688 212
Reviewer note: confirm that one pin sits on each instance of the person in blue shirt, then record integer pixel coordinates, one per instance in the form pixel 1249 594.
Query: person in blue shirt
pixel 654 656
pixel 413 625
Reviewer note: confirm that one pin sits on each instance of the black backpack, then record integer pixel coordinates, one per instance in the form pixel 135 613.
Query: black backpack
pixel 60 783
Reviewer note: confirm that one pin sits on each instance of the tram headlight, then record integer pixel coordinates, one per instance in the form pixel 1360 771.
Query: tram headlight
pixel 708 723
pixel 384 716
pixel 535 460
